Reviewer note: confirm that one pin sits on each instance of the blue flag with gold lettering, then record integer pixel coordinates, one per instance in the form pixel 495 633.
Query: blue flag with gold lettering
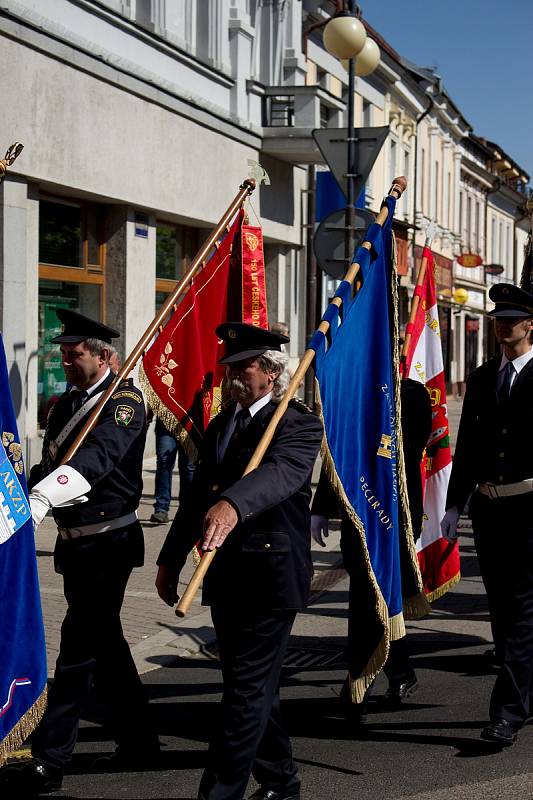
pixel 22 646
pixel 357 389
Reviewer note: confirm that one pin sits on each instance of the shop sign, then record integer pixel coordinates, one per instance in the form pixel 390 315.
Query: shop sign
pixel 402 247
pixel 470 260
pixel 494 269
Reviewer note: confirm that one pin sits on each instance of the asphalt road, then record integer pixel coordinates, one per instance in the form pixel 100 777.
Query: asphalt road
pixel 428 750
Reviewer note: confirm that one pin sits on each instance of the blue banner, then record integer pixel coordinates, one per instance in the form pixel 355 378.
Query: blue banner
pixel 357 379
pixel 22 647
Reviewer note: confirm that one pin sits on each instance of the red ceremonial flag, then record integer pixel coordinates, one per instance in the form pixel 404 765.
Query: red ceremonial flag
pixel 439 560
pixel 180 374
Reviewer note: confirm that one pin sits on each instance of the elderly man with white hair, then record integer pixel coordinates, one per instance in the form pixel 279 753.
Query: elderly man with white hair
pixel 262 574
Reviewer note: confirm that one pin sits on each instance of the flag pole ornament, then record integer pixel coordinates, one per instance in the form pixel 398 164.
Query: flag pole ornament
pixel 246 188
pixel 422 362
pixel 12 153
pixel 22 647
pixel 332 312
pixel 258 173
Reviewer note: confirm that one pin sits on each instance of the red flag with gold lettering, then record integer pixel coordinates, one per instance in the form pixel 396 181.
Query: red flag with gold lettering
pixel 180 374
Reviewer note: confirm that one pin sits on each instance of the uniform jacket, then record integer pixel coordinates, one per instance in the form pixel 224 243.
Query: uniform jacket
pixel 110 459
pixel 265 562
pixel 495 439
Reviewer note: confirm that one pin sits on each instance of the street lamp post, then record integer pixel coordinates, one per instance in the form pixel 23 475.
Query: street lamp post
pixel 345 37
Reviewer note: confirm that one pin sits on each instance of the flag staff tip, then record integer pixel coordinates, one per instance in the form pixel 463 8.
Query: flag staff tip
pixel 399 185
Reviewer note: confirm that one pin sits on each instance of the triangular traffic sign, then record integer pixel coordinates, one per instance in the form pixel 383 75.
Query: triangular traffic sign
pixel 333 144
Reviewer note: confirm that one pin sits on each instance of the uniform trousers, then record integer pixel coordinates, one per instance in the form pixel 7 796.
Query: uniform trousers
pixel 503 535
pixel 93 652
pixel 250 738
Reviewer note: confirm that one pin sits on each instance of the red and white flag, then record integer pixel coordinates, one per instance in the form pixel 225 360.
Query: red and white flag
pixel 439 560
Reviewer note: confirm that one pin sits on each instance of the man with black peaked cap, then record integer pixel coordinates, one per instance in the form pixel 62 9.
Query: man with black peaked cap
pixel 493 463
pixel 261 575
pixel 94 500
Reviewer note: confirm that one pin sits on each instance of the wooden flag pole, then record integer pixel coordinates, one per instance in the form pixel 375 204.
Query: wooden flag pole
pixel 186 599
pixel 430 233
pixel 246 188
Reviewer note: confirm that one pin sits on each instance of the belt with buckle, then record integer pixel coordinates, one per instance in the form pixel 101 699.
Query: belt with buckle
pixel 498 490
pixel 97 527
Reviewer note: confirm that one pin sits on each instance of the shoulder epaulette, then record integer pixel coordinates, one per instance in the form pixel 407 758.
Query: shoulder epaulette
pixel 299 405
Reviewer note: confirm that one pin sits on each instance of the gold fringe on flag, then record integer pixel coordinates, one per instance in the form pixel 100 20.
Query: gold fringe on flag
pixel 441 591
pixel 26 725
pixel 359 684
pixel 169 420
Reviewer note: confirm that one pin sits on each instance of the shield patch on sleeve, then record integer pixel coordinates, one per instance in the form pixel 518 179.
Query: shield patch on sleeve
pixel 124 415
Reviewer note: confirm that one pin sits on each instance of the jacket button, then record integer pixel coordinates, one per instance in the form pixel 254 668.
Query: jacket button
pixel 215 487
pixel 502 455
pixel 504 430
pixel 102 513
pixel 500 478
pixel 267 545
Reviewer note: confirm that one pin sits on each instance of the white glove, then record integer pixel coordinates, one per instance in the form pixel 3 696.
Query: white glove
pixel 319 529
pixel 64 486
pixel 448 524
pixel 39 505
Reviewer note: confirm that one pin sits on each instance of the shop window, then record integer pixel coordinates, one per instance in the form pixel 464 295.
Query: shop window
pixel 71 275
pixel 176 246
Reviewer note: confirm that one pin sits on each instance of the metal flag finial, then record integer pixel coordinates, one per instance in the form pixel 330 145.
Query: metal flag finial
pixel 11 154
pixel 431 230
pixel 258 172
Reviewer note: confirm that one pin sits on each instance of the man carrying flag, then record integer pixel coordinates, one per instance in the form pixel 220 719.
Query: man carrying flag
pixel 94 498
pixel 422 362
pixel 22 647
pixel 261 575
pixel 363 456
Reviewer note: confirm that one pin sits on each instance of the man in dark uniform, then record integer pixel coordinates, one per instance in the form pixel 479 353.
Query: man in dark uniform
pixel 362 625
pixel 261 576
pixel 94 499
pixel 493 461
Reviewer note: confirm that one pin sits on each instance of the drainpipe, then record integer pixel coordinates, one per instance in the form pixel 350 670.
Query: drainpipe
pixel 419 119
pixel 494 188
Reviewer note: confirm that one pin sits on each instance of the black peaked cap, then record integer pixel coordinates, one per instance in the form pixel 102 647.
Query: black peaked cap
pixel 247 341
pixel 511 301
pixel 77 328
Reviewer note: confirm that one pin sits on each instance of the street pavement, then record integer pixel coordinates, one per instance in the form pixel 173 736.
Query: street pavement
pixel 429 749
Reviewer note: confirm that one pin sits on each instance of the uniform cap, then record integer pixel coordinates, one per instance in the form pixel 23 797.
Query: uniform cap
pixel 511 301
pixel 77 328
pixel 247 341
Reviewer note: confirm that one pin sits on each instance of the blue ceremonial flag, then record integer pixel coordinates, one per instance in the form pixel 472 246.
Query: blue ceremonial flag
pixel 22 646
pixel 357 390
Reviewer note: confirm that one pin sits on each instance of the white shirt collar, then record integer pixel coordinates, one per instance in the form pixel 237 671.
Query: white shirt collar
pixel 255 407
pixel 91 389
pixel 518 363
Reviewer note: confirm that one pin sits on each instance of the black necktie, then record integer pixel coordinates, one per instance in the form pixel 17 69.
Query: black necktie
pixel 242 419
pixel 505 386
pixel 78 398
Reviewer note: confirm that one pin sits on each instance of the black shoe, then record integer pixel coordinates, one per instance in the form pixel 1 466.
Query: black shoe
pixel 123 760
pixel 399 691
pixel 29 778
pixel 501 732
pixel 161 517
pixel 271 794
